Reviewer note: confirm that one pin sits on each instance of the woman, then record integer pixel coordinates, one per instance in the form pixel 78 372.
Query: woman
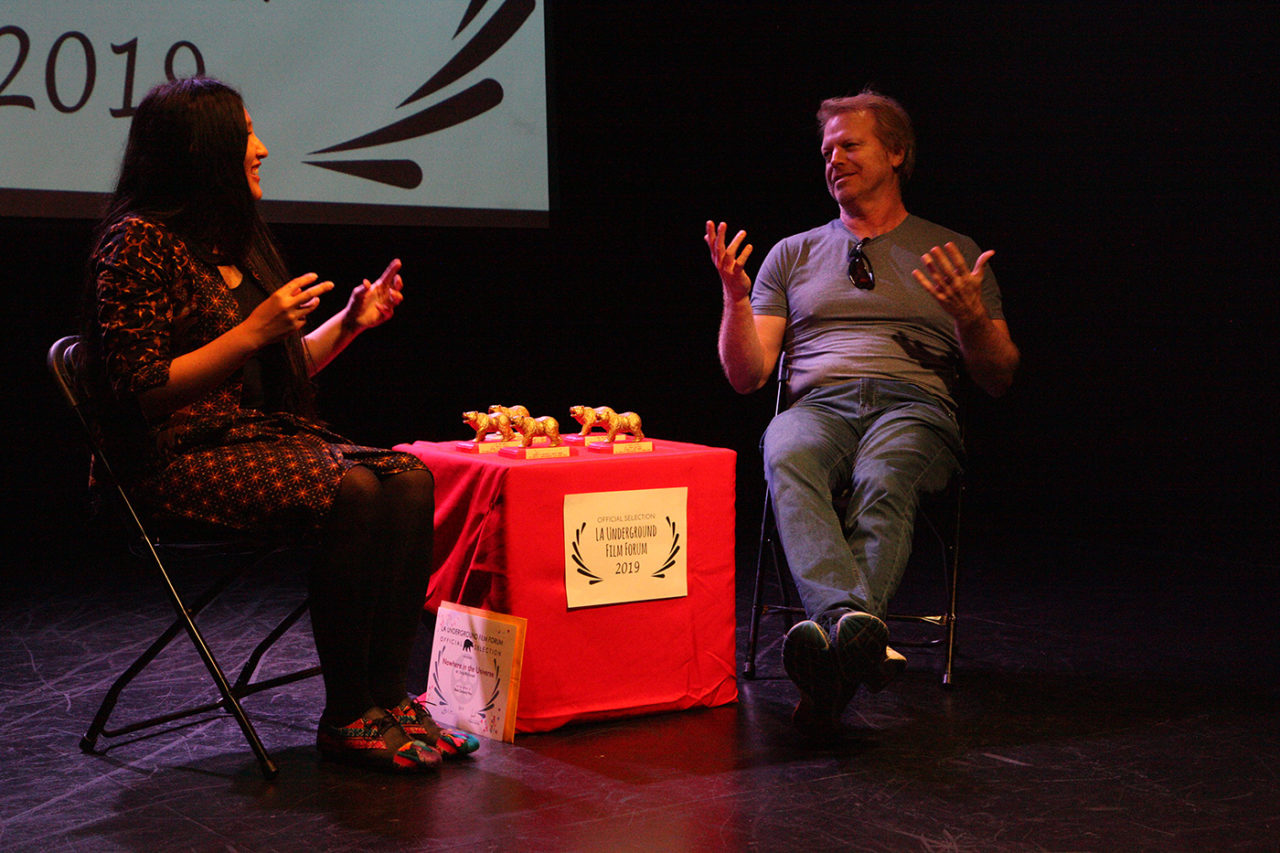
pixel 195 338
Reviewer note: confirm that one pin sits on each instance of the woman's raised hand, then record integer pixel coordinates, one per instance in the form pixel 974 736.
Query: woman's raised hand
pixel 285 312
pixel 373 303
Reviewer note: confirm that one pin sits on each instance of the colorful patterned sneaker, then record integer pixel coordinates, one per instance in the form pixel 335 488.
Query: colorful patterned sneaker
pixel 416 720
pixel 363 743
pixel 859 641
pixel 893 665
pixel 807 658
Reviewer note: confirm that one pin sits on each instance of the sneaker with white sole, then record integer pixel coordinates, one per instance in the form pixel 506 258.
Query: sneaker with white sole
pixel 893 665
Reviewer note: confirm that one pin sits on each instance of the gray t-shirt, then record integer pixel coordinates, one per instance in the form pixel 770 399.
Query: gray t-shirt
pixel 836 332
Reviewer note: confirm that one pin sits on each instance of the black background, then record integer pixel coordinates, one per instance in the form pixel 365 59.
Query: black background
pixel 1118 158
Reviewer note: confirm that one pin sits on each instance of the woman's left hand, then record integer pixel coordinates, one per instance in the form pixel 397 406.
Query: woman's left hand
pixel 373 303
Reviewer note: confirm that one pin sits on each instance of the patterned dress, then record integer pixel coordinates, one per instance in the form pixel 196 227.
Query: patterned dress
pixel 214 460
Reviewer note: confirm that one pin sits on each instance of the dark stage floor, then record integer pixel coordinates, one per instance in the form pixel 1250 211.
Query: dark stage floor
pixel 1103 701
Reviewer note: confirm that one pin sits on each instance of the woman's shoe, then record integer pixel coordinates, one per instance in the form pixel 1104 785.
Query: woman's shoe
pixel 363 743
pixel 416 721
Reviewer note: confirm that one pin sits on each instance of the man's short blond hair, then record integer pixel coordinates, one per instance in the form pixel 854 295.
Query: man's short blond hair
pixel 893 125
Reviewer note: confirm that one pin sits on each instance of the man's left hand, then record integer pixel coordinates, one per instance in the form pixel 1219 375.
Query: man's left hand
pixel 957 288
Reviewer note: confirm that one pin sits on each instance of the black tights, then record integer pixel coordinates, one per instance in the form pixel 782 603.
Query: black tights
pixel 368 586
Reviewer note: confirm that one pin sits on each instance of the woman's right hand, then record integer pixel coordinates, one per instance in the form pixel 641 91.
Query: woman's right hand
pixel 196 373
pixel 285 312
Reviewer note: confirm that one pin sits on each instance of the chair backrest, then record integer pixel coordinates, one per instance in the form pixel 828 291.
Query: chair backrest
pixel 66 363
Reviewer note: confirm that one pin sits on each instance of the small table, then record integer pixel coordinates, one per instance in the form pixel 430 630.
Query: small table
pixel 500 546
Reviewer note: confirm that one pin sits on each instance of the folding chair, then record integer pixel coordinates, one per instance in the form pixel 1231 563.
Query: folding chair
pixel 940 514
pixel 240 553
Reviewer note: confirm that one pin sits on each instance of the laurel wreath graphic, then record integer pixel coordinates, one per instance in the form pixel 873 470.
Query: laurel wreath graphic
pixel 671 555
pixel 577 558
pixel 476 100
pixel 443 701
pixel 593 578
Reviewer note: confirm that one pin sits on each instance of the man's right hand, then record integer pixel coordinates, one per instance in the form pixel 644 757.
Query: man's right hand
pixel 729 261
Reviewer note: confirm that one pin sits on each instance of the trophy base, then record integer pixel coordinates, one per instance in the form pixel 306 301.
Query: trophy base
pixel 485 446
pixel 618 447
pixel 579 440
pixel 536 452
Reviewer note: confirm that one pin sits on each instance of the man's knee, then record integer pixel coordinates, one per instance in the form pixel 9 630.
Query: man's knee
pixel 908 472
pixel 787 440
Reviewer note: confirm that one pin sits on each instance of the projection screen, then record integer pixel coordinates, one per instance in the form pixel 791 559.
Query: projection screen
pixel 380 112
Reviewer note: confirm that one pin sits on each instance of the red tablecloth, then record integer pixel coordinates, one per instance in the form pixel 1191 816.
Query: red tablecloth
pixel 500 546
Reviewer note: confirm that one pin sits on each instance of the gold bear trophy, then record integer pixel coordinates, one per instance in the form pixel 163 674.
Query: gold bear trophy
pixel 606 431
pixel 512 431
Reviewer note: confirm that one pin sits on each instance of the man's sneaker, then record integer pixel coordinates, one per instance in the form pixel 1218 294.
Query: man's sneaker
pixel 888 669
pixel 807 658
pixel 859 642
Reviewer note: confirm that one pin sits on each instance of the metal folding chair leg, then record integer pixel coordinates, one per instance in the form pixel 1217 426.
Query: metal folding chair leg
pixel 244 686
pixel 230 694
pixel 759 608
pixel 948 543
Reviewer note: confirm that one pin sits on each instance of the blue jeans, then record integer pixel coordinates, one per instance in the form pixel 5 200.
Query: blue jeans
pixel 890 442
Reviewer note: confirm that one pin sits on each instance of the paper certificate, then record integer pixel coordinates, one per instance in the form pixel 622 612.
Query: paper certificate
pixel 474 681
pixel 625 546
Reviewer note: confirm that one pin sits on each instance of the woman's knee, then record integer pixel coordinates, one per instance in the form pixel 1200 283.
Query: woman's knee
pixel 359 487
pixel 413 489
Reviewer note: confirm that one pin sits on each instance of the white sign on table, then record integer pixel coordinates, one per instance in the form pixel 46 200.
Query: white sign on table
pixel 627 545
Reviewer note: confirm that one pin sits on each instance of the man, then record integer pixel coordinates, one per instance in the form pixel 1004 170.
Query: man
pixel 877 310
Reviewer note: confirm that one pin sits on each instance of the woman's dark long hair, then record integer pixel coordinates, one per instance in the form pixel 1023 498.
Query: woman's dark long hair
pixel 183 167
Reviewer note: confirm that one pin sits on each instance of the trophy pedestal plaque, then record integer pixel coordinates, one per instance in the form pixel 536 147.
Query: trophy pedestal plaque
pixel 537 451
pixel 487 446
pixel 579 440
pixel 619 446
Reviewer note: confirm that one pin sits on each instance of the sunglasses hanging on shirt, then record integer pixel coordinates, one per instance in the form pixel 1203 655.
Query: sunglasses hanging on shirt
pixel 861 274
